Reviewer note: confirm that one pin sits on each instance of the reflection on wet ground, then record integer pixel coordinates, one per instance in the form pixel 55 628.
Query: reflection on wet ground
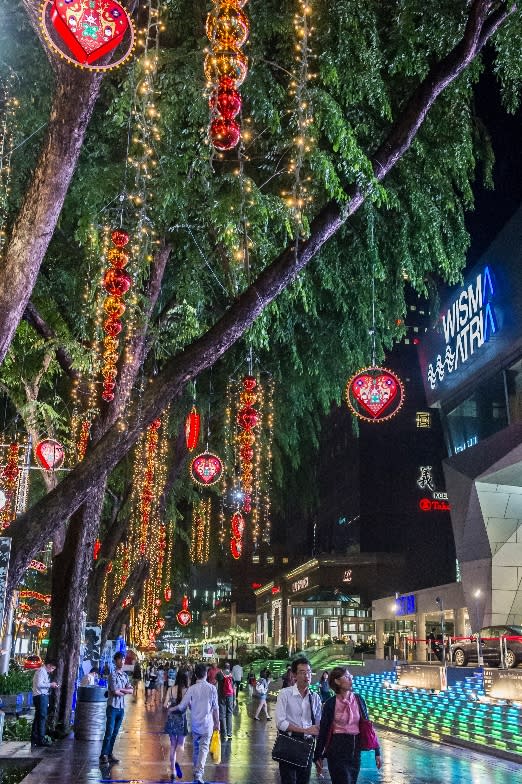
pixel 143 750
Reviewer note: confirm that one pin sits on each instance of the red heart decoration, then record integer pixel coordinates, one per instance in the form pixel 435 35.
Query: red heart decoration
pixel 374 392
pixel 89 28
pixel 206 468
pixel 184 617
pixel 50 454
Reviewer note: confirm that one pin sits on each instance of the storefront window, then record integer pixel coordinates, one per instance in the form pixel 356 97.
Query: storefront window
pixel 514 391
pixel 479 416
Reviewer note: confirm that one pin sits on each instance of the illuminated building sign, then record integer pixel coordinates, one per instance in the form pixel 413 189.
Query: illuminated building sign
pixel 347 576
pixel 432 505
pixel 276 589
pixel 468 323
pixel 423 419
pixel 299 585
pixel 405 605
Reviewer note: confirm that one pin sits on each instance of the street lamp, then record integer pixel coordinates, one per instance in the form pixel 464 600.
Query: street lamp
pixel 476 596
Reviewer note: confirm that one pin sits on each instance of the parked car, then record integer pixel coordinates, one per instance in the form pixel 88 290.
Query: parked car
pixel 32 662
pixel 464 651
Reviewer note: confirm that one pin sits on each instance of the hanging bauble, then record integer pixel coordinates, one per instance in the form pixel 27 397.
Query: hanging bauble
pixel 168 593
pixel 206 469
pixel 114 307
pixel 227 102
pixel 112 327
pixel 116 282
pixel 226 62
pixel 192 428
pixel 246 453
pixel 120 238
pixel 236 549
pixel 375 394
pixel 228 26
pixel 249 383
pixel 49 453
pixel 82 32
pixel 247 399
pixel 184 616
pixel 248 418
pixel 224 134
pixel 117 258
pixel 237 524
pixel 246 438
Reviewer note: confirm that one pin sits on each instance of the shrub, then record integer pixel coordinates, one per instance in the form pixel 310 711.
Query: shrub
pixel 17 729
pixel 16 682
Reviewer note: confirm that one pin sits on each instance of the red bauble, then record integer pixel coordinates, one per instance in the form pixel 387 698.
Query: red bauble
pixel 107 395
pixel 224 134
pixel 168 593
pixel 235 549
pixel 237 525
pixel 248 418
pixel 116 282
pixel 227 102
pixel 192 427
pixel 120 238
pixel 249 383
pixel 112 327
pixel 117 258
pixel 156 424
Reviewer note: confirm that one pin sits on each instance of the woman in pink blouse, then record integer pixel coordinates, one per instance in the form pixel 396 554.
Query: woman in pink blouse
pixel 338 739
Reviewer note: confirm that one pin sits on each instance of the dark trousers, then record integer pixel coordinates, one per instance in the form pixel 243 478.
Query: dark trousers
pixel 112 727
pixel 291 774
pixel 344 759
pixel 41 706
pixel 226 706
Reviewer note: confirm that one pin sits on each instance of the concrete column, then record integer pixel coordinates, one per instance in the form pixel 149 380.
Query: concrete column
pixel 420 634
pixel 379 639
pixel 460 622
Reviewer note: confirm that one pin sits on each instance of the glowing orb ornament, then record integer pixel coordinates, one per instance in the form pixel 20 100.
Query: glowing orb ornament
pixel 192 428
pixel 83 32
pixel 50 454
pixel 184 616
pixel 375 394
pixel 206 469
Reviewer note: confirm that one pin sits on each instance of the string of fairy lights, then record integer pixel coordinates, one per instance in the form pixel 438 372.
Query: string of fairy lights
pixel 200 532
pixel 9 105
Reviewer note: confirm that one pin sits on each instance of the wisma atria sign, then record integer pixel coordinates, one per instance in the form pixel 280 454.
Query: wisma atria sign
pixel 468 323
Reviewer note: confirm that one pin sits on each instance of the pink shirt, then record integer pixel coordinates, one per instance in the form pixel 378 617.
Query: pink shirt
pixel 347 715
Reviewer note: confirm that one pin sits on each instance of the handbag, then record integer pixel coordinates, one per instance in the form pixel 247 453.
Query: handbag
pixel 215 747
pixel 368 740
pixel 294 750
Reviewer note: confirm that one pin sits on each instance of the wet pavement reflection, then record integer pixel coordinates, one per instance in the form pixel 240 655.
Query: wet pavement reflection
pixel 143 749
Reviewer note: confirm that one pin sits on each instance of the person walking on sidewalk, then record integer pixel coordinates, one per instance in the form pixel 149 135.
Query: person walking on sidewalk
pixel 338 739
pixel 237 675
pixel 202 699
pixel 176 725
pixel 119 686
pixel 298 711
pixel 41 685
pixel 262 692
pixel 225 688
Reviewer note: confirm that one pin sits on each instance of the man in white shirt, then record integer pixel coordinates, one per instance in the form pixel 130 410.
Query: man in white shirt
pixel 237 675
pixel 298 711
pixel 202 699
pixel 41 685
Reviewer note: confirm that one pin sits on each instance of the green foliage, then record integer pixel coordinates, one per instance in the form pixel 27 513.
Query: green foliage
pixel 17 729
pixel 15 682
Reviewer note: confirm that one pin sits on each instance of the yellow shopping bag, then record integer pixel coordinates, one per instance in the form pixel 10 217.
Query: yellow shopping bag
pixel 215 747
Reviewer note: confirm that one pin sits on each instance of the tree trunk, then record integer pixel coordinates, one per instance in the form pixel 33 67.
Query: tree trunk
pixel 73 102
pixel 69 585
pixel 32 529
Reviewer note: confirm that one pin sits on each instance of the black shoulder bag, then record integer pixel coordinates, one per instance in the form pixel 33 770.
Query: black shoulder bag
pixel 294 749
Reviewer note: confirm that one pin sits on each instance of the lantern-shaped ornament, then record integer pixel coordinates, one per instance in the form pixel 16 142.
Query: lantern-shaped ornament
pixel 192 428
pixel 50 454
pixel 184 616
pixel 167 593
pixel 206 469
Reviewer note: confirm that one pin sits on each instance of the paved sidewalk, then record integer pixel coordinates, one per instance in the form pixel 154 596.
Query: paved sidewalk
pixel 143 749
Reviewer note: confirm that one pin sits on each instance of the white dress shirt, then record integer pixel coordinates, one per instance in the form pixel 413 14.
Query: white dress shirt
pixel 202 699
pixel 41 682
pixel 292 708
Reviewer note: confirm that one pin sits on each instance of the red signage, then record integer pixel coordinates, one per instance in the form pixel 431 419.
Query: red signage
pixel 255 586
pixel 276 589
pixel 431 505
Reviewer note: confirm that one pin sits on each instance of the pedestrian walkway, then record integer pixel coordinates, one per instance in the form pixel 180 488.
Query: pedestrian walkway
pixel 144 753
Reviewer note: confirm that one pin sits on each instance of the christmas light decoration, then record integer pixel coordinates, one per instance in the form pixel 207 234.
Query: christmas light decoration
pixel 184 616
pixel 9 480
pixel 200 535
pixel 192 428
pixel 96 549
pixel 237 526
pixel 225 68
pixel 8 109
pixel 49 453
pixel 206 469
pixel 41 597
pixel 116 283
pixel 84 32
pixel 375 394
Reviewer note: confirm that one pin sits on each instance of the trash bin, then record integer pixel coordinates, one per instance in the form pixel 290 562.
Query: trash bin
pixel 89 718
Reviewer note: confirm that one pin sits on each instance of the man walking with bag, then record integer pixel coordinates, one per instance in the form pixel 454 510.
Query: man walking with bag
pixel 298 715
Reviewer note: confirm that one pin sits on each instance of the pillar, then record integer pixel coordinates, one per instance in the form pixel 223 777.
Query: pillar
pixel 460 621
pixel 379 639
pixel 420 625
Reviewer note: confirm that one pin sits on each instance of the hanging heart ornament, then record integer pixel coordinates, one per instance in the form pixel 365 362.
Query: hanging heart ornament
pixel 184 617
pixel 83 31
pixel 375 394
pixel 206 469
pixel 49 453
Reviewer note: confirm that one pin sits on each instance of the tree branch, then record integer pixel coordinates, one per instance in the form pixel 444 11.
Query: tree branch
pixel 206 350
pixel 38 323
